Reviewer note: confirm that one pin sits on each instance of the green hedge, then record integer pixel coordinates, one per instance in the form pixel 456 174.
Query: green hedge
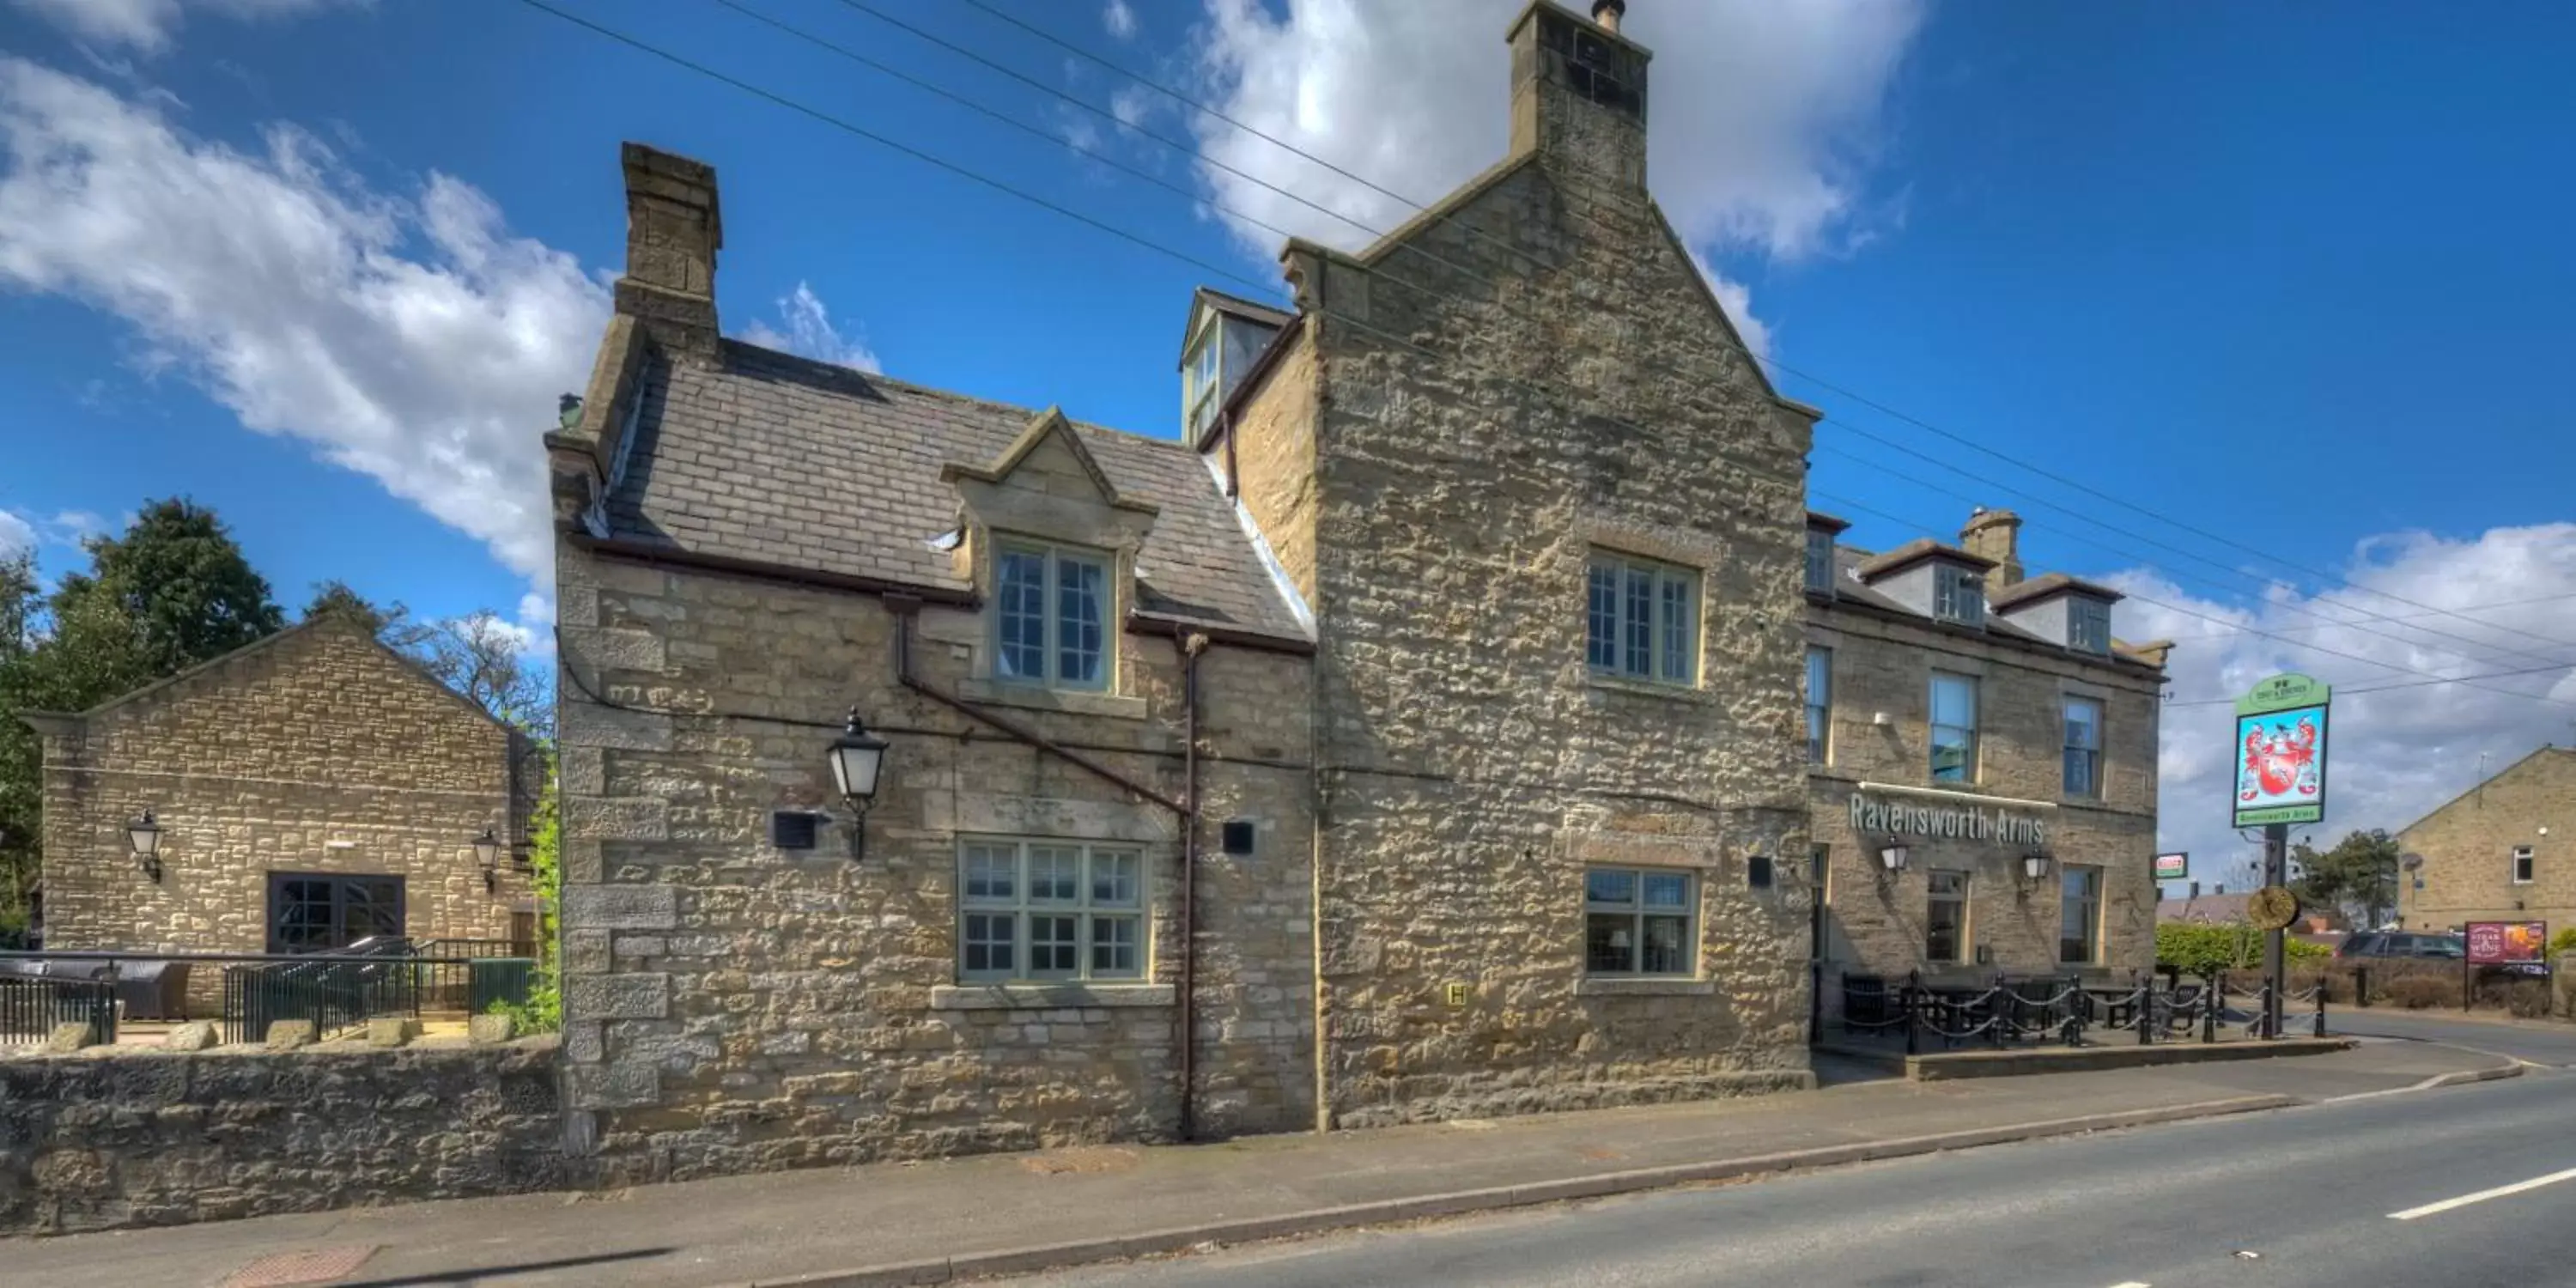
pixel 2197 948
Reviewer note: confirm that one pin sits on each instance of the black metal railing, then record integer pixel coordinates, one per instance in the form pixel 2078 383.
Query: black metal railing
pixel 336 991
pixel 2060 1009
pixel 32 1006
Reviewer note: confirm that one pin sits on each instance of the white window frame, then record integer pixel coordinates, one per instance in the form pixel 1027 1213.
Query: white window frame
pixel 1933 727
pixel 1094 909
pixel 1963 951
pixel 1958 595
pixel 2067 705
pixel 2091 905
pixel 1820 707
pixel 2088 624
pixel 1197 396
pixel 1638 910
pixel 1056 555
pixel 2525 867
pixel 1670 658
pixel 1820 561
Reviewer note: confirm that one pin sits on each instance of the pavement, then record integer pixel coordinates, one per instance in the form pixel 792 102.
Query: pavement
pixel 925 1222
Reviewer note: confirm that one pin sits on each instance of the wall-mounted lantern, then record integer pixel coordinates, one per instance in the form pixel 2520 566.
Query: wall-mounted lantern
pixel 143 835
pixel 2034 869
pixel 1893 856
pixel 857 755
pixel 487 853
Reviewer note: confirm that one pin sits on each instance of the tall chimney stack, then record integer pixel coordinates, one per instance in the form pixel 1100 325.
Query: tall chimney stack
pixel 1995 535
pixel 1579 93
pixel 674 227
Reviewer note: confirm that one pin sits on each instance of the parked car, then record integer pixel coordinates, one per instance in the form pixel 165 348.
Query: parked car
pixel 2403 944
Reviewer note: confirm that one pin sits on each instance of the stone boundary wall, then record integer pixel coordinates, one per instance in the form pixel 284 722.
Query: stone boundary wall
pixel 144 1138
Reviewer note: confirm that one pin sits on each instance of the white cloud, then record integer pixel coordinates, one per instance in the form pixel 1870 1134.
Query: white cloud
pixel 2397 753
pixel 1763 113
pixel 810 333
pixel 17 536
pixel 1738 302
pixel 408 338
pixel 1119 19
pixel 149 25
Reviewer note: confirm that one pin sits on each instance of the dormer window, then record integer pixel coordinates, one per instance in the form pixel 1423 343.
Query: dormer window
pixel 1820 561
pixel 1958 595
pixel 1050 609
pixel 1219 348
pixel 2088 625
pixel 1200 388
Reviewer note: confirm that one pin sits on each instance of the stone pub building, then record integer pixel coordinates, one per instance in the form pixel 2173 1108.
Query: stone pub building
pixel 1416 736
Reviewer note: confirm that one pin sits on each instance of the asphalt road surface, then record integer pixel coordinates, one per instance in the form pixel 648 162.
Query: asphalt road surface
pixel 2379 1190
pixel 2554 1045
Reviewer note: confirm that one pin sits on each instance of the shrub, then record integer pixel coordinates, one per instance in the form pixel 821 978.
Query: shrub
pixel 2197 948
pixel 2420 992
pixel 543 1011
pixel 2561 942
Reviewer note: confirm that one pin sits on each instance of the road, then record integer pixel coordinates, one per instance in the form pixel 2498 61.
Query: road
pixel 2294 1197
pixel 2554 1045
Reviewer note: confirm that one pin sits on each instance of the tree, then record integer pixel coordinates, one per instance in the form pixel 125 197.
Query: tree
pixel 185 589
pixel 2357 876
pixel 335 596
pixel 21 601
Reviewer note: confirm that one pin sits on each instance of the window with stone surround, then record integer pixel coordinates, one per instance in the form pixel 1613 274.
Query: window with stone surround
pixel 1954 728
pixel 1945 918
pixel 316 911
pixel 2083 772
pixel 1958 595
pixel 2079 935
pixel 1051 606
pixel 2088 624
pixel 1049 910
pixel 1637 922
pixel 1641 619
pixel 1820 703
pixel 2522 865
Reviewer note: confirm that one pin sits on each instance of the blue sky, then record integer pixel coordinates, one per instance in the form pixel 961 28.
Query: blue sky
pixel 2164 253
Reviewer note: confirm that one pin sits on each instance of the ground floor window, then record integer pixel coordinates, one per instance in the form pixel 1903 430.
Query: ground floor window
pixel 1945 918
pixel 1637 921
pixel 314 912
pixel 1050 910
pixel 2079 938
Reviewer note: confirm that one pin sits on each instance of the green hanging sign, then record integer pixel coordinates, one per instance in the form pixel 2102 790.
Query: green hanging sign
pixel 2281 752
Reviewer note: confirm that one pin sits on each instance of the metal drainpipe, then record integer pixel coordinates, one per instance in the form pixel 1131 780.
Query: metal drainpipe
pixel 1191 646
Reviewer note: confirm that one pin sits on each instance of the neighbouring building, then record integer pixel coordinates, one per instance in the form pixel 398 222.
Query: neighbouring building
pixel 311 789
pixel 1414 737
pixel 2499 851
pixel 2216 908
pixel 1982 761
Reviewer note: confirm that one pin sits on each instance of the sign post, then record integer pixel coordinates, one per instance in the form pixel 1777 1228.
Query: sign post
pixel 2280 780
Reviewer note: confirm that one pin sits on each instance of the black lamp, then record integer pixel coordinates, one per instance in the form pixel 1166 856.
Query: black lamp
pixel 487 851
pixel 857 756
pixel 144 836
pixel 1893 856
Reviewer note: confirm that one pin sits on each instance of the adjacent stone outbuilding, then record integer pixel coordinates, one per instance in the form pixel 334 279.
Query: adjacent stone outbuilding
pixel 2504 850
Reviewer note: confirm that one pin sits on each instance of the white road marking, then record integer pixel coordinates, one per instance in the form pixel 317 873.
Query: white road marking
pixel 2134 1283
pixel 2483 1195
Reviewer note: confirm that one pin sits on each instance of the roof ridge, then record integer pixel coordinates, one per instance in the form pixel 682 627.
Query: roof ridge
pixel 951 395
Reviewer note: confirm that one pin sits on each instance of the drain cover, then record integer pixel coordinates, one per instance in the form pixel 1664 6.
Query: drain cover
pixel 311 1266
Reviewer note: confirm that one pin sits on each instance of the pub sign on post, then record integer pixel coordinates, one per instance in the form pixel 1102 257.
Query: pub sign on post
pixel 2281 752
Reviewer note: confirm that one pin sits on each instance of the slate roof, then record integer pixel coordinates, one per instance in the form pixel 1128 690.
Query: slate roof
pixel 1920 549
pixel 2047 584
pixel 1849 562
pixel 2219 908
pixel 779 460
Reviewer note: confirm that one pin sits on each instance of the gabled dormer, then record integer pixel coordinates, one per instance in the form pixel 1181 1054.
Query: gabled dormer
pixel 2062 610
pixel 1225 336
pixel 1050 544
pixel 1941 582
pixel 1822 531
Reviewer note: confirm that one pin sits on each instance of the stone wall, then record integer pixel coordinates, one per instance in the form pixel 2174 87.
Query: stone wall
pixel 732 1006
pixel 1532 371
pixel 1274 457
pixel 143 1138
pixel 2468 847
pixel 315 751
pixel 1883 665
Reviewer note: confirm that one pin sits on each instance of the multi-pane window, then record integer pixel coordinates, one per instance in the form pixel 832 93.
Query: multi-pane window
pixel 2088 625
pixel 312 912
pixel 2079 935
pixel 1637 921
pixel 2083 747
pixel 1050 609
pixel 1641 619
pixel 1958 595
pixel 2522 865
pixel 1820 560
pixel 1945 918
pixel 1954 728
pixel 1199 382
pixel 1049 910
pixel 1820 703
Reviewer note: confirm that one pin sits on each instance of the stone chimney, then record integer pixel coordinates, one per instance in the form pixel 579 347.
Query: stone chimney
pixel 674 228
pixel 1579 92
pixel 1995 535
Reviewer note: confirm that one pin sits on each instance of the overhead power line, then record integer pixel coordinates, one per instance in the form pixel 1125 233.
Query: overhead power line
pixel 2344 691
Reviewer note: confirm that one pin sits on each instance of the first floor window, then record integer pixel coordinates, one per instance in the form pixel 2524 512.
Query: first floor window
pixel 1049 606
pixel 1954 728
pixel 1945 918
pixel 2522 865
pixel 312 912
pixel 1049 910
pixel 1820 703
pixel 2083 775
pixel 1637 921
pixel 2079 936
pixel 1641 619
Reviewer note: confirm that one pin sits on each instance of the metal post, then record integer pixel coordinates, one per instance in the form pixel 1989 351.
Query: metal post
pixel 2213 995
pixel 2361 988
pixel 2146 1010
pixel 1913 1002
pixel 2321 1009
pixel 2276 872
pixel 1816 1001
